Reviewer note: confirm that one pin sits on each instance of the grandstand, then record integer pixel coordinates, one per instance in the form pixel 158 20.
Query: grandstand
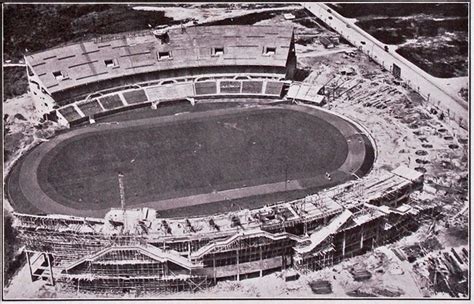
pixel 171 64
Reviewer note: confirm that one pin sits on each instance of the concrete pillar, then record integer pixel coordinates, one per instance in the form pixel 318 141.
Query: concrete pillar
pixel 214 267
pixel 29 264
pixel 238 265
pixel 51 278
pixel 343 244
pixel 218 86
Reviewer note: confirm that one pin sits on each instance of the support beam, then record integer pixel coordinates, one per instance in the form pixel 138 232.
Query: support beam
pixel 238 265
pixel 29 264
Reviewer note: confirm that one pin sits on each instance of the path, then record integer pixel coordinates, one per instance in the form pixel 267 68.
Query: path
pixel 434 91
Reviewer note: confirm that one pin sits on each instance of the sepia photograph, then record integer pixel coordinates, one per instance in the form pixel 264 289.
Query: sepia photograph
pixel 236 151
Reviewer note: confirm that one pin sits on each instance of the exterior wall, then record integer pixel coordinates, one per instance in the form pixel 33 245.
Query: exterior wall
pixel 291 63
pixel 356 240
pixel 317 261
pixel 42 100
pixel 400 226
pixel 242 268
pixel 131 285
pixel 247 257
pixel 322 256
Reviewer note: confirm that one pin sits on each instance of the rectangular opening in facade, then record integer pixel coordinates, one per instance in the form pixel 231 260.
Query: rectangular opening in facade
pixel 217 51
pixel 269 51
pixel 60 75
pixel 164 55
pixel 110 63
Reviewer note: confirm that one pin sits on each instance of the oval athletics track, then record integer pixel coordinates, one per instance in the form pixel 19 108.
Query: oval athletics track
pixel 27 191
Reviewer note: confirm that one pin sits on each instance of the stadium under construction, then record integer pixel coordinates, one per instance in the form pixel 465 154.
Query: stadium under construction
pixel 133 248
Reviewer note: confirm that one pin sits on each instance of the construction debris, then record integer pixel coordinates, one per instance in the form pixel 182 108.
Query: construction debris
pixel 321 287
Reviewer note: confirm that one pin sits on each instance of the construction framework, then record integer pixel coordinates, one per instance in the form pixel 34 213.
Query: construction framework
pixel 136 251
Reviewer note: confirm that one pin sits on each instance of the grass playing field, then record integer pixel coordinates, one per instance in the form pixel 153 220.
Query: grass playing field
pixel 192 156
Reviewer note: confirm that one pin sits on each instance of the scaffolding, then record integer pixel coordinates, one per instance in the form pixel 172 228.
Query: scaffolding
pixel 151 254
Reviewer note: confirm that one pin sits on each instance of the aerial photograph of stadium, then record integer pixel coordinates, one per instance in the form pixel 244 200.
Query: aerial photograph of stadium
pixel 249 150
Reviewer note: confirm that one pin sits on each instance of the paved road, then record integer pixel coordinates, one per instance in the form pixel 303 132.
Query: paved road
pixel 428 86
pixel 317 53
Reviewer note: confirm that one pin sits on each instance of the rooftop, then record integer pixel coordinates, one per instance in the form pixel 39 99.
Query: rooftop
pixel 408 173
pixel 81 63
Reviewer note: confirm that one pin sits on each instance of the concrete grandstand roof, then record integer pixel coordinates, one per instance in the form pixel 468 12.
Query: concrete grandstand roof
pixel 134 53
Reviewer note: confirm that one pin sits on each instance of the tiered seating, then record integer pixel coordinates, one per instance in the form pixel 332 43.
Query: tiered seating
pixel 111 102
pixel 230 87
pixel 274 88
pixel 206 88
pixel 252 87
pixel 135 96
pixel 69 113
pixel 90 108
pixel 175 91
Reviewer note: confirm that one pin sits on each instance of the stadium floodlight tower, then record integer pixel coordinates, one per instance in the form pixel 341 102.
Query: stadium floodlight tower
pixel 122 196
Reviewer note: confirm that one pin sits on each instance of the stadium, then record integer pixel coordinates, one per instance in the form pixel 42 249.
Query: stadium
pixel 184 161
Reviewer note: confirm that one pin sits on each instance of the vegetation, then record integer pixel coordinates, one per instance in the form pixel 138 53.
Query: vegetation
pixel 398 31
pixel 34 27
pixel 15 81
pixel 442 61
pixel 253 18
pixel 12 261
pixel 434 36
pixel 356 10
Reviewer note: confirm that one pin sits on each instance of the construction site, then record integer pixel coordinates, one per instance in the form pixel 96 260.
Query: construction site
pixel 135 251
pixel 399 229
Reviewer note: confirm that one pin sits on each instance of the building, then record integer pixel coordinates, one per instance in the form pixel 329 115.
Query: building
pixel 136 251
pixel 327 42
pixel 77 81
pixel 311 93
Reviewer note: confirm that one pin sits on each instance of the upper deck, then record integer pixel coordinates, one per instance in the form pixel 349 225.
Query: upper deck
pixel 82 63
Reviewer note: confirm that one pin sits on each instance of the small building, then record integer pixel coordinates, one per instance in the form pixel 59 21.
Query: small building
pixel 361 275
pixel 349 71
pixel 327 42
pixel 321 287
pixel 307 93
pixel 291 275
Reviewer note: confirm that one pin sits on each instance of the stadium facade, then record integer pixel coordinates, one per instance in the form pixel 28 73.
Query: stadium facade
pixel 136 250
